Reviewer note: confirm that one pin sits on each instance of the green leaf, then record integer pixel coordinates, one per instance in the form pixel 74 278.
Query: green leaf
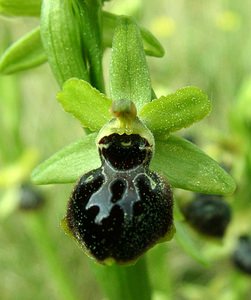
pixel 25 53
pixel 175 111
pixel 189 168
pixel 129 75
pixel 60 33
pixel 85 103
pixel 20 7
pixel 69 163
pixel 152 46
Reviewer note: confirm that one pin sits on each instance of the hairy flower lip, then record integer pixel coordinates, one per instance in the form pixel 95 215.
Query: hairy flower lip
pixel 136 127
pixel 125 152
pixel 116 236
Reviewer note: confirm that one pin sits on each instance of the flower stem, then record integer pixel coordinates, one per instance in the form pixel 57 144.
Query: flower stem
pixel 125 282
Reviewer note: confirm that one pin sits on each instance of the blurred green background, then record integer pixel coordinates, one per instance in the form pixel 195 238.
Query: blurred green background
pixel 207 44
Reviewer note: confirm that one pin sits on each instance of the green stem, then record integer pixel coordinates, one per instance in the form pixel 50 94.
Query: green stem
pixel 37 228
pixel 125 282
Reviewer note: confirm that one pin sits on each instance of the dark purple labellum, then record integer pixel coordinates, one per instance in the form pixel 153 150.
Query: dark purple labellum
pixel 121 209
pixel 125 152
pixel 209 215
pixel 30 197
pixel 242 254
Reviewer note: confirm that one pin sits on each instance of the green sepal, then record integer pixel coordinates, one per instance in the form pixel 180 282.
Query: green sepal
pixel 68 164
pixel 175 111
pixel 152 46
pixel 60 33
pixel 25 53
pixel 189 168
pixel 181 162
pixel 85 103
pixel 129 75
pixel 20 7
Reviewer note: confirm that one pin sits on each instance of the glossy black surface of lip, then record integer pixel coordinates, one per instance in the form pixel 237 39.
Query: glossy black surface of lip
pixel 121 209
pixel 132 218
pixel 125 152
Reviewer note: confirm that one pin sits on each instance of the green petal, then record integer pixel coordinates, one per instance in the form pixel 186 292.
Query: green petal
pixel 175 111
pixel 129 73
pixel 20 7
pixel 187 167
pixel 68 164
pixel 85 103
pixel 25 53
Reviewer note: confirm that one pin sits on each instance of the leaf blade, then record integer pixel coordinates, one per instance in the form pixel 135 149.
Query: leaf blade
pixel 189 168
pixel 69 163
pixel 175 111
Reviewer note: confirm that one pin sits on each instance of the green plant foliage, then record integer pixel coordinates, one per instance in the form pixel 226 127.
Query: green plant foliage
pixel 189 168
pixel 129 74
pixel 20 7
pixel 85 103
pixel 181 162
pixel 68 164
pixel 152 46
pixel 60 32
pixel 121 289
pixel 28 51
pixel 90 34
pixel 75 34
pixel 175 111
pixel 25 53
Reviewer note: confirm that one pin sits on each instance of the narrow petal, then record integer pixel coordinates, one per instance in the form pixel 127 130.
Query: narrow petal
pixel 175 111
pixel 85 103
